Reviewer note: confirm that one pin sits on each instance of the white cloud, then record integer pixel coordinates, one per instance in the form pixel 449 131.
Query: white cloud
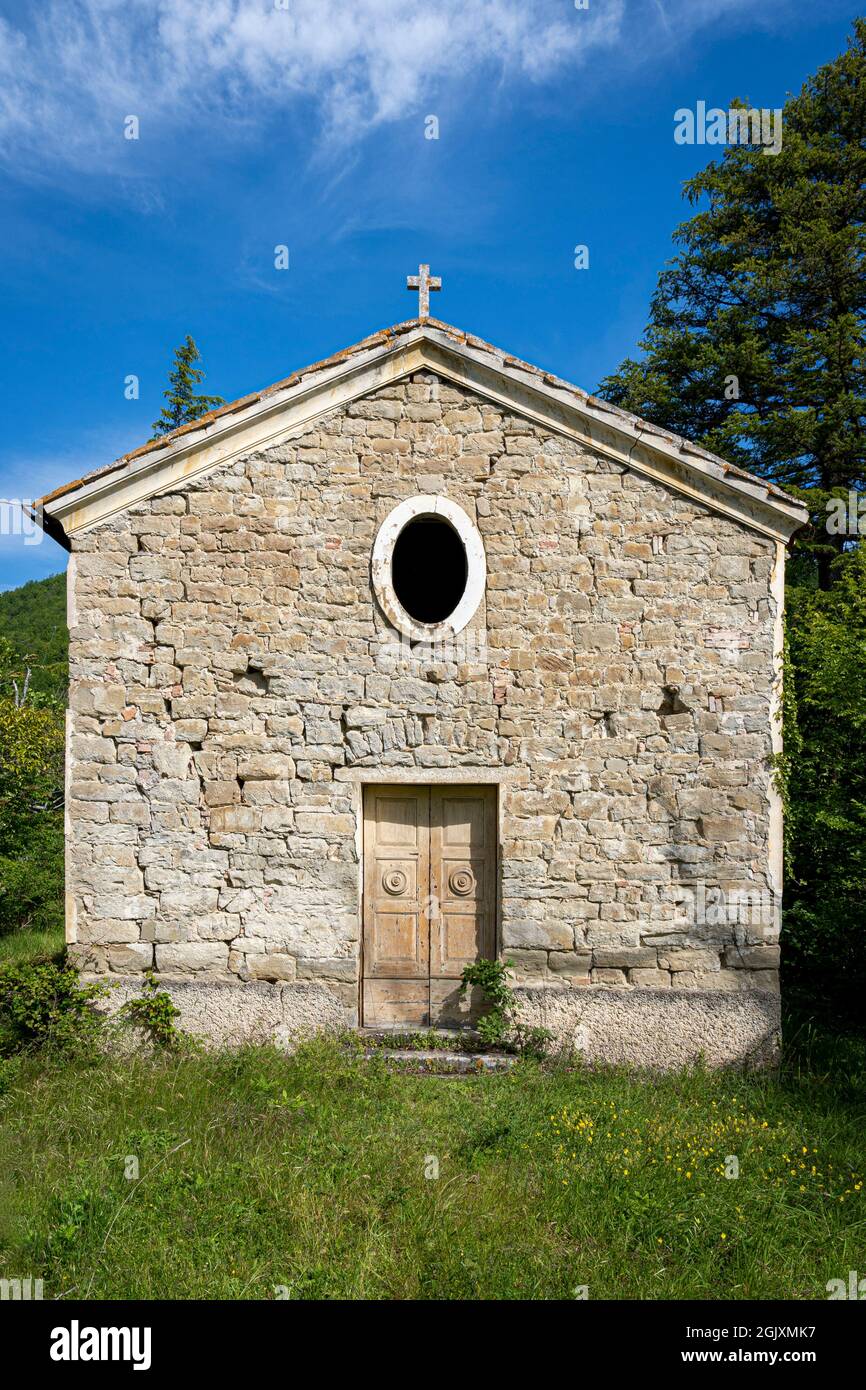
pixel 69 74
pixel 26 476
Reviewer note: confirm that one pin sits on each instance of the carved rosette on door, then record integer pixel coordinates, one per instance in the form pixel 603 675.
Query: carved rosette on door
pixel 429 900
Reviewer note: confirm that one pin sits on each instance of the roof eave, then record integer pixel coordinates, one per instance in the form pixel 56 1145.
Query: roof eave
pixel 261 420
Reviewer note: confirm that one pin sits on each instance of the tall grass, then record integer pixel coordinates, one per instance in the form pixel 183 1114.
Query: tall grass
pixel 31 944
pixel 315 1175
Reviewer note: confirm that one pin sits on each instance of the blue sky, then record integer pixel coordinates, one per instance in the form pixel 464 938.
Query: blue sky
pixel 302 122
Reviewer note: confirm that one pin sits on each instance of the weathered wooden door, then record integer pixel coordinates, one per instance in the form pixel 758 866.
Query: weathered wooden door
pixel 429 900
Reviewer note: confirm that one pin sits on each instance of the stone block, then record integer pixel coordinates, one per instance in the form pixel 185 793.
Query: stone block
pixel 181 958
pixel 546 935
pixel 570 965
pixel 623 958
pixel 752 957
pixel 649 978
pixel 132 957
pixel 172 760
pixel 266 767
pixel 614 978
pixel 271 966
pixel 235 820
pixel 689 958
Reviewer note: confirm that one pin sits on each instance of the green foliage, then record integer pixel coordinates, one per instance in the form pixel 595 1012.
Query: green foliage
pixel 33 680
pixel 491 977
pixel 10 1072
pixel 154 1012
pixel 33 624
pixel 768 286
pixel 32 737
pixel 45 1005
pixel 501 1025
pixel 75 1220
pixel 184 404
pixel 824 937
pixel 32 741
pixel 32 881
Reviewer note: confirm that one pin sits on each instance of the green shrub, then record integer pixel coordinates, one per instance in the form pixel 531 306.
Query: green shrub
pixel 46 1005
pixel 32 737
pixel 824 932
pixel 154 1012
pixel 500 1026
pixel 32 882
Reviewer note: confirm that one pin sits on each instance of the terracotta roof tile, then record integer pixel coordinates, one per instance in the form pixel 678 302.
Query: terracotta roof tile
pixel 394 333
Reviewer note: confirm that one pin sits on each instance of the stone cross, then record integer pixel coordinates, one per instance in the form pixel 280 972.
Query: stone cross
pixel 423 282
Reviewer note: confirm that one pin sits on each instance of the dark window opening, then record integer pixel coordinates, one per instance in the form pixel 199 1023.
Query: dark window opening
pixel 428 569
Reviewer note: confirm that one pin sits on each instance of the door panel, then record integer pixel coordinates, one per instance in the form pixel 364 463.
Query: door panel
pixel 463 876
pixel 396 879
pixel 393 1003
pixel 429 901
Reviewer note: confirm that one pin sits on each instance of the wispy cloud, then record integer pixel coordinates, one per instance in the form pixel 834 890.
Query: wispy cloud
pixel 70 74
pixel 27 476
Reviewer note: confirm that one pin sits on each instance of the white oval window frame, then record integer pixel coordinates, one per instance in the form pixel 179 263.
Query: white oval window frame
pixel 476 567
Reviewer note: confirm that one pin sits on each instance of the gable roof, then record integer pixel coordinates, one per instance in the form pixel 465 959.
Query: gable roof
pixel 269 417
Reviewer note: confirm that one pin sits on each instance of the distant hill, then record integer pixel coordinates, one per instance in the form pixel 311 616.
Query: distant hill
pixel 33 620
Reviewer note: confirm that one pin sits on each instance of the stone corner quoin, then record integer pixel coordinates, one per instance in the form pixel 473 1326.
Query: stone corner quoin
pixel 235 684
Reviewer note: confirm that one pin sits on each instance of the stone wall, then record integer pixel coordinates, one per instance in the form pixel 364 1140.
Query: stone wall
pixel 233 682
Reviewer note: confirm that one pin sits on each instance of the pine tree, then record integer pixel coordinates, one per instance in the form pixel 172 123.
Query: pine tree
pixel 755 342
pixel 184 404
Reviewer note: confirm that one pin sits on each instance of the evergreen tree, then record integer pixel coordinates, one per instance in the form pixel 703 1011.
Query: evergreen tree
pixel 184 404
pixel 755 342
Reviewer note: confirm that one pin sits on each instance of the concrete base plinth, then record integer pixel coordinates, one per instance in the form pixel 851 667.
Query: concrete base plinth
pixel 659 1028
pixel 227 1014
pixel 655 1028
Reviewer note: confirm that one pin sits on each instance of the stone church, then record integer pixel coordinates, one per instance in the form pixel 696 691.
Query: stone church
pixel 423 655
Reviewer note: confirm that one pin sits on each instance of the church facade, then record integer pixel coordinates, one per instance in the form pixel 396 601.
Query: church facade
pixel 419 656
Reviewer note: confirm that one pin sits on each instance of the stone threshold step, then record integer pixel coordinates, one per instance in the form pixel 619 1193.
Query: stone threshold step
pixel 461 1039
pixel 443 1059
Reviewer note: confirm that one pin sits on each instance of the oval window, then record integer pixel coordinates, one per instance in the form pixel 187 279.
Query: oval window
pixel 428 567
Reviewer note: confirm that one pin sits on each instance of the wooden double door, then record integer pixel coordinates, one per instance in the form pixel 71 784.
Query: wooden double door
pixel 430 860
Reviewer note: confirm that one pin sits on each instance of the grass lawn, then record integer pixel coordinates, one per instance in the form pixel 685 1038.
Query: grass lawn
pixel 28 944
pixel 317 1173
